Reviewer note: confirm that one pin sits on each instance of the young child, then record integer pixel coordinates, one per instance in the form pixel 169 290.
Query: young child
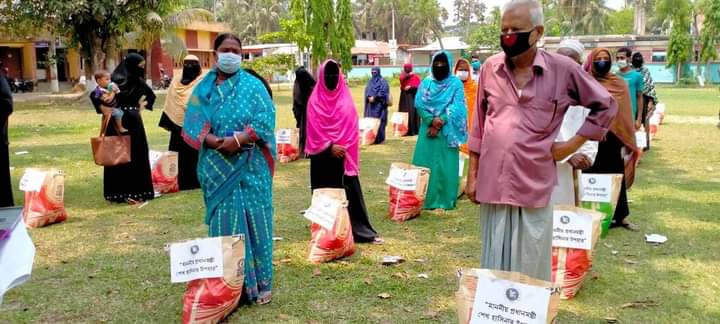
pixel 105 92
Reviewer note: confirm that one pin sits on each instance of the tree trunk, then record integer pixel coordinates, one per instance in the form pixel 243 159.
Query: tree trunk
pixel 678 73
pixel 639 25
pixel 148 65
pixel 52 60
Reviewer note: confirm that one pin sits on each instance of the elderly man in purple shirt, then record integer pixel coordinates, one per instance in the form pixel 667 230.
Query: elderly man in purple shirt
pixel 522 97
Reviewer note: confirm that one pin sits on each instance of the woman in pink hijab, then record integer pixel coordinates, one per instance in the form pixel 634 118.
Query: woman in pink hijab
pixel 333 146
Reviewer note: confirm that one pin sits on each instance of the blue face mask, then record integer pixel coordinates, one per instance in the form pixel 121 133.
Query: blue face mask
pixel 229 62
pixel 476 65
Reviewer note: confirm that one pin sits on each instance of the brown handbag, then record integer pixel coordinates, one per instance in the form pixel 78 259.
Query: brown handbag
pixel 110 150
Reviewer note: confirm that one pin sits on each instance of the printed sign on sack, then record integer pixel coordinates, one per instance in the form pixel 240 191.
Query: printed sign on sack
pixel 284 136
pixel 403 179
pixel 572 230
pixel 196 259
pixel 596 187
pixel 504 301
pixel 323 211
pixel 32 180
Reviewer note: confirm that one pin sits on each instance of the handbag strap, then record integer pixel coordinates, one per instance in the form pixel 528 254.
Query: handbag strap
pixel 105 123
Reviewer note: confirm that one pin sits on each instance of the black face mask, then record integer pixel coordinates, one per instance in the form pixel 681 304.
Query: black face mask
pixel 514 44
pixel 191 70
pixel 602 67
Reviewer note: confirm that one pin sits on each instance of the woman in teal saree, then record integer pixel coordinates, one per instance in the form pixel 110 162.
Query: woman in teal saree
pixel 231 119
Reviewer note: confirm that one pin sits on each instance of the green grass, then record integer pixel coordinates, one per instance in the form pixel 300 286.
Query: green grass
pixel 106 263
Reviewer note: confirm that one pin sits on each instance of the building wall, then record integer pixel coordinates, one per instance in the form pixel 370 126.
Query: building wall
pixel 359 72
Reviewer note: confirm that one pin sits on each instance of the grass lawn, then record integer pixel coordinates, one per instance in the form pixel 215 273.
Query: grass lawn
pixel 106 263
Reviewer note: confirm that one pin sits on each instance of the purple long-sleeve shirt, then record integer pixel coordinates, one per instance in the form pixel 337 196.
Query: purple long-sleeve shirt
pixel 513 131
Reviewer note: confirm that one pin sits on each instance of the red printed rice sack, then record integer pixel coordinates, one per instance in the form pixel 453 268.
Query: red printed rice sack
pixel 44 203
pixel 465 296
pixel 164 166
pixel 407 186
pixel 369 128
pixel 654 124
pixel 400 123
pixel 288 144
pixel 211 300
pixel 571 267
pixel 328 245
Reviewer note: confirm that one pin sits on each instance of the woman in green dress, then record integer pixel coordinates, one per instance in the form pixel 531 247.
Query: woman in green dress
pixel 440 103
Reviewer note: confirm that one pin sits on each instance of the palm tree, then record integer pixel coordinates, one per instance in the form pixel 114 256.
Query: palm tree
pixel 156 28
pixel 594 19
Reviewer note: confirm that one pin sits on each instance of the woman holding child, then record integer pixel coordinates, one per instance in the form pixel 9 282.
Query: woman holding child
pixel 131 182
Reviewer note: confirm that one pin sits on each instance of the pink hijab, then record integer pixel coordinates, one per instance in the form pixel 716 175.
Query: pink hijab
pixel 332 119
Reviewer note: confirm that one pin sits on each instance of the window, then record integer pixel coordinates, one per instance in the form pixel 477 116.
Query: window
pixel 658 57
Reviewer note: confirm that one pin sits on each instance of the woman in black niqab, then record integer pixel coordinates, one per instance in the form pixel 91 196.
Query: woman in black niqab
pixel 304 85
pixel 131 182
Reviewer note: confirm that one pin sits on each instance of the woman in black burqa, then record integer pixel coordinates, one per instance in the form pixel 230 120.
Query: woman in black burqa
pixel 131 182
pixel 6 108
pixel 304 85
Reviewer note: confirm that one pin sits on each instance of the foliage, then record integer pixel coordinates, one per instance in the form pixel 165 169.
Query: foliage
pixel 343 37
pixel 251 19
pixel 415 20
pixel 486 36
pixel 620 22
pixel 163 28
pixel 272 64
pixel 678 12
pixel 467 13
pixel 710 35
pixel 95 25
pixel 576 17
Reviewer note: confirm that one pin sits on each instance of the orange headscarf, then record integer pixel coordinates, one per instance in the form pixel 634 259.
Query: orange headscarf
pixel 622 125
pixel 470 87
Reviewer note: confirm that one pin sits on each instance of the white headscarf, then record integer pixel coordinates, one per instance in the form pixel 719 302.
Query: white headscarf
pixel 574 45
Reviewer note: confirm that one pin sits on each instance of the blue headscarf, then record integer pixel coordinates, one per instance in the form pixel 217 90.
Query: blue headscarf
pixel 445 99
pixel 377 86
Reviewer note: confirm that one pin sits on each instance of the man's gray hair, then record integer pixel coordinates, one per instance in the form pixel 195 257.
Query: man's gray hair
pixel 536 11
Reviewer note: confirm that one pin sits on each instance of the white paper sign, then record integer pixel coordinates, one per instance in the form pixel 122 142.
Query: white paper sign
pixel 398 118
pixel 503 301
pixel 596 187
pixel 403 179
pixel 323 211
pixel 32 180
pixel 641 139
pixel 283 136
pixel 572 230
pixel 154 157
pixel 196 259
pixel 367 123
pixel 17 254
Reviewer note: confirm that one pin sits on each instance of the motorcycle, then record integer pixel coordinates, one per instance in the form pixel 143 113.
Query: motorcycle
pixel 17 85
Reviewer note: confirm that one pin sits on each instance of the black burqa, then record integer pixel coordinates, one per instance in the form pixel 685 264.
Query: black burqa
pixel 187 155
pixel 304 85
pixel 132 181
pixel 6 108
pixel 328 171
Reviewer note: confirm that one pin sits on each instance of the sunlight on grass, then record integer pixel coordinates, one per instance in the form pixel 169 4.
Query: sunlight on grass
pixel 106 263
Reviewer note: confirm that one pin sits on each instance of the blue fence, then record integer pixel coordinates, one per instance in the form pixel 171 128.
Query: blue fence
pixel 659 72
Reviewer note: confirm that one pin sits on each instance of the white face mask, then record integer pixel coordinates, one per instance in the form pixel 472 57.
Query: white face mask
pixel 622 64
pixel 462 75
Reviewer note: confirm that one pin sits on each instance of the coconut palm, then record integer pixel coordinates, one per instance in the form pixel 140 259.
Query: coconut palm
pixel 156 28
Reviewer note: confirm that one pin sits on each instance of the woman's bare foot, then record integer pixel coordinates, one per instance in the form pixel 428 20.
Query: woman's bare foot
pixel 378 241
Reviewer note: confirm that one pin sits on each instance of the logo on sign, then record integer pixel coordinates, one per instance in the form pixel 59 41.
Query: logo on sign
pixel 512 294
pixel 565 219
pixel 592 181
pixel 194 249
